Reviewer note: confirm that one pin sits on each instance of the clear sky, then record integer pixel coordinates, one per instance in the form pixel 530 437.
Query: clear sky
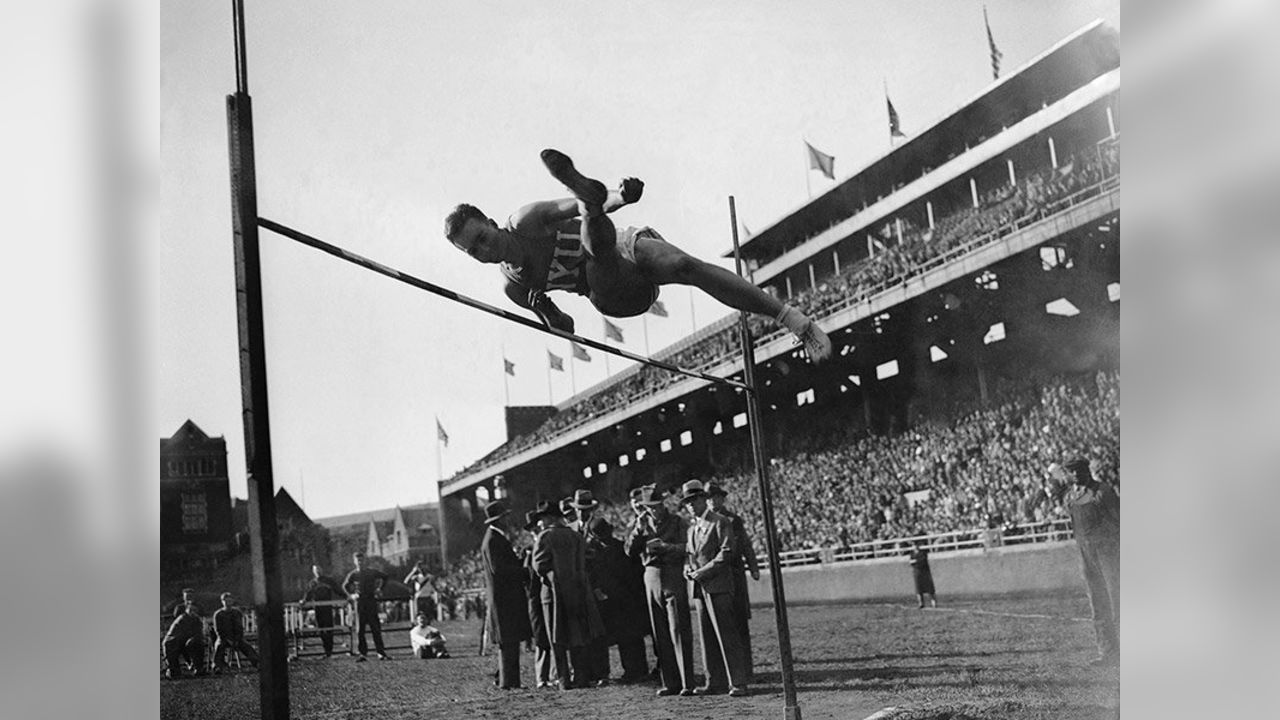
pixel 373 119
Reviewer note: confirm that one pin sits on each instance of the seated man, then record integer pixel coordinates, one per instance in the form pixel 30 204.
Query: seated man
pixel 427 641
pixel 228 626
pixel 185 639
pixel 571 244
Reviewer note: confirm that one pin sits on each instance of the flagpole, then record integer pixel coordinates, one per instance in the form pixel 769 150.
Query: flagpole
pixel 644 319
pixel 506 386
pixel 549 396
pixel 439 453
pixel 808 171
pixel 573 372
pixel 693 317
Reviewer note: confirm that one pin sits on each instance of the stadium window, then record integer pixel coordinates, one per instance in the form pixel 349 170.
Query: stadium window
pixel 1063 307
pixel 856 380
pixel 719 428
pixel 586 472
pixel 995 334
pixel 482 495
pixel 987 281
pixel 739 420
pixel 686 437
pixel 623 461
pixel 1113 292
pixel 936 353
pixel 602 468
pixel 1053 256
pixel 804 398
pixel 846 350
pixel 640 454
pixel 844 388
pixel 665 445
pixel 886 370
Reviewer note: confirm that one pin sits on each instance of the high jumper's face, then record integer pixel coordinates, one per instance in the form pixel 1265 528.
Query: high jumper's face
pixel 480 239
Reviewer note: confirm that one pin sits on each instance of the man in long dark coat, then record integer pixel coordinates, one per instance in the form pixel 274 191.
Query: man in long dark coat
pixel 573 622
pixel 1095 520
pixel 507 615
pixel 620 606
pixel 533 589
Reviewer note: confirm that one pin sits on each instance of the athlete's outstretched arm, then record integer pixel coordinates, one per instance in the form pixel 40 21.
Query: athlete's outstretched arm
pixel 540 304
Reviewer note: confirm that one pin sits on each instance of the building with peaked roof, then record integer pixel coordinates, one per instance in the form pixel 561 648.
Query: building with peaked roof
pixel 400 536
pixel 195 501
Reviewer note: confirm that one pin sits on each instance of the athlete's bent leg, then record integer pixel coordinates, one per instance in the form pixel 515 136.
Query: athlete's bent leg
pixel 599 236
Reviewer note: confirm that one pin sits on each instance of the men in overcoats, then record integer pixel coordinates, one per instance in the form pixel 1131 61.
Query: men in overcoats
pixel 709 569
pixel 744 561
pixel 568 606
pixel 659 540
pixel 508 611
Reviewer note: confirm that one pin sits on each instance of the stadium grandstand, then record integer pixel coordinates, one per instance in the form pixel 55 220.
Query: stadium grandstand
pixel 969 280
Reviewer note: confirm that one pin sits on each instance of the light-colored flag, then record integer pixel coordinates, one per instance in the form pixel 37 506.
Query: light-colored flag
pixel 556 362
pixel 579 351
pixel 996 55
pixel 509 367
pixel 441 435
pixel 657 308
pixel 819 160
pixel 612 332
pixel 895 125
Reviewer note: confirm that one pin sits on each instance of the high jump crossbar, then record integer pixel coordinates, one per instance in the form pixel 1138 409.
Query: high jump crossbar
pixel 430 287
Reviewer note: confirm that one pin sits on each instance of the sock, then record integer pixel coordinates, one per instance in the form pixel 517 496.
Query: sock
pixel 793 320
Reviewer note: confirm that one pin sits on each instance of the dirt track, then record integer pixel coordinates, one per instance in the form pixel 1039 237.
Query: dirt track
pixel 1022 658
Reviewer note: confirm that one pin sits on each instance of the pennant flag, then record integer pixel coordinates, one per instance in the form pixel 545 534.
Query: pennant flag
pixel 509 366
pixel 657 308
pixel 557 362
pixel 996 55
pixel 441 435
pixel 747 231
pixel 895 127
pixel 819 160
pixel 579 351
pixel 612 332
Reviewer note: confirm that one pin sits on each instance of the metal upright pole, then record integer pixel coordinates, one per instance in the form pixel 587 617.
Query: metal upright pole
pixel 273 677
pixel 791 708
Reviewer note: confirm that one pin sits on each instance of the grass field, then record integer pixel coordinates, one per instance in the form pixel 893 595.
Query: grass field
pixel 1024 658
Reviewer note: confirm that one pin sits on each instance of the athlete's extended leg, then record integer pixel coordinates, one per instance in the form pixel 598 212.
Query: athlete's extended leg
pixel 599 236
pixel 665 264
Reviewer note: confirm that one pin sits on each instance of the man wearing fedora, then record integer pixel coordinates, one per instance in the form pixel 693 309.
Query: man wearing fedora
pixel 611 572
pixel 507 616
pixel 584 504
pixel 709 569
pixel 542 662
pixel 569 609
pixel 659 539
pixel 1095 520
pixel 745 561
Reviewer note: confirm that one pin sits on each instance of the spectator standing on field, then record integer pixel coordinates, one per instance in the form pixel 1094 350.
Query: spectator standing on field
pixel 364 585
pixel 323 588
pixel 1095 519
pixel 923 576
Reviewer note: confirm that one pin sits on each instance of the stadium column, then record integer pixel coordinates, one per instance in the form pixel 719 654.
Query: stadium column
pixel 273 679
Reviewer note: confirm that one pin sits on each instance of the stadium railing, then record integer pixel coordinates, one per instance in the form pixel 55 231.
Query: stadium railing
pixel 980 538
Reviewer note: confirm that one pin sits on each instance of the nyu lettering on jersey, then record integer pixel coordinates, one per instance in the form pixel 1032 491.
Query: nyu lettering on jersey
pixel 554 258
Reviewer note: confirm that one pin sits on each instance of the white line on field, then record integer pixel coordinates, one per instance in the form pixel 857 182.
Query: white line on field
pixel 993 612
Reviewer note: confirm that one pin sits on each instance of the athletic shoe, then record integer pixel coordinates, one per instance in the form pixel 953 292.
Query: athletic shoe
pixel 709 691
pixel 738 692
pixel 383 656
pixel 664 692
pixel 816 342
pixel 589 191
pixel 361 658
pixel 687 692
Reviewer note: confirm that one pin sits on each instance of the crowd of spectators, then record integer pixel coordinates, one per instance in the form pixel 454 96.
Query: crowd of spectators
pixel 999 212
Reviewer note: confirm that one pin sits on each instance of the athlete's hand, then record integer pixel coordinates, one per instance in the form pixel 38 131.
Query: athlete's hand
pixel 631 189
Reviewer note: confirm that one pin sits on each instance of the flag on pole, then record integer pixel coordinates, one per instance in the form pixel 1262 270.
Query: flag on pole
pixel 579 351
pixel 441 435
pixel 895 126
pixel 657 308
pixel 612 332
pixel 746 231
pixel 819 160
pixel 509 366
pixel 996 55
pixel 556 362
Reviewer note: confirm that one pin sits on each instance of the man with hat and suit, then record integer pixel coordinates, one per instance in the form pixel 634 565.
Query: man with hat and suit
pixel 745 560
pixel 1095 520
pixel 568 606
pixel 507 616
pixel 584 504
pixel 659 539
pixel 709 569
pixel 611 572
pixel 542 662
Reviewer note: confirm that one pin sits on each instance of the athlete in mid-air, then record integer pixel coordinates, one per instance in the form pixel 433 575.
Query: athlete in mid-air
pixel 572 245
